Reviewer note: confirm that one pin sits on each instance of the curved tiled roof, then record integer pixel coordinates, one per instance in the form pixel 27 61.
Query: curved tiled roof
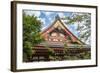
pixel 64 25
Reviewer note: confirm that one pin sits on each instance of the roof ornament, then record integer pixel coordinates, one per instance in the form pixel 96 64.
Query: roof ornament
pixel 57 17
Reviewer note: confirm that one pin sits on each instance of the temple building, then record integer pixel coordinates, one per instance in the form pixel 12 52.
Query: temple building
pixel 58 39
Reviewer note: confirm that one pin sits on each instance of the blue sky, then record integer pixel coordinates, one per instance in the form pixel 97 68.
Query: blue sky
pixel 47 17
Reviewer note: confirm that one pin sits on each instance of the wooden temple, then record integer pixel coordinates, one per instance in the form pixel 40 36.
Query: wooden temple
pixel 57 36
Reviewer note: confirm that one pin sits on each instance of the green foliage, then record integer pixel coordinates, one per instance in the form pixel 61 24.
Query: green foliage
pixel 83 20
pixel 76 56
pixel 31 34
pixel 78 18
pixel 86 55
pixel 65 47
pixel 51 57
pixel 27 48
pixel 69 38
pixel 51 51
pixel 58 58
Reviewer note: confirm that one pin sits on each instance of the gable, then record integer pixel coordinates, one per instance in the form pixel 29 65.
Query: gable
pixel 58 32
pixel 58 24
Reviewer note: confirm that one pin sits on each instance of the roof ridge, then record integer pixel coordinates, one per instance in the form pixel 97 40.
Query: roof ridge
pixel 58 18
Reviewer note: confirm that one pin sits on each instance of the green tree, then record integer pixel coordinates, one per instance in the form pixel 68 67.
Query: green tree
pixel 66 57
pixel 83 22
pixel 31 35
pixel 51 52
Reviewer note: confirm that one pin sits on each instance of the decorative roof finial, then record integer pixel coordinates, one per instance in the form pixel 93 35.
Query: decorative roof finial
pixel 57 17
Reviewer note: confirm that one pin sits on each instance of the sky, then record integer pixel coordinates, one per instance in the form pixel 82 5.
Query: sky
pixel 48 17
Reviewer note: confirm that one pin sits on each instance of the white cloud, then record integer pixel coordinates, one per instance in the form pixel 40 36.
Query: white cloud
pixel 61 15
pixel 48 13
pixel 36 13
